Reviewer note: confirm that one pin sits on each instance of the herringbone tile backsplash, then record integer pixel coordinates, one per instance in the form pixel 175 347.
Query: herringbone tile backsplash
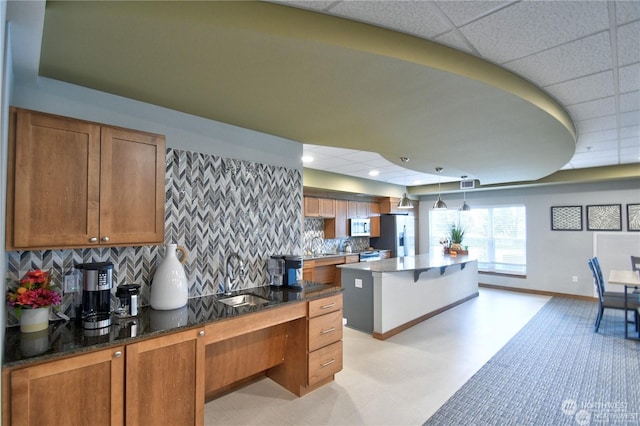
pixel 214 206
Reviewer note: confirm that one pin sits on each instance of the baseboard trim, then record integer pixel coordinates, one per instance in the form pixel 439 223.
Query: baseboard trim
pixel 539 292
pixel 405 326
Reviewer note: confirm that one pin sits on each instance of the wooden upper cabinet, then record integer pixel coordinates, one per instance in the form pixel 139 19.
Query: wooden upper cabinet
pixel 73 183
pixel 319 207
pixel 132 187
pixel 358 209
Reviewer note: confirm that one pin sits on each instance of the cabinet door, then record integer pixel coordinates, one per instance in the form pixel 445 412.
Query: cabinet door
pixel 375 226
pixel 311 207
pixel 82 390
pixel 342 221
pixel 327 208
pixel 165 380
pixel 131 187
pixel 53 181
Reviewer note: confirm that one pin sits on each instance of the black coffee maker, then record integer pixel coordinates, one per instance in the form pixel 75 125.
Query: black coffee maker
pixel 291 278
pixel 97 282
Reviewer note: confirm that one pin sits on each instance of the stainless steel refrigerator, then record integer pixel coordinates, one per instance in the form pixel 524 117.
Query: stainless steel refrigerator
pixel 397 234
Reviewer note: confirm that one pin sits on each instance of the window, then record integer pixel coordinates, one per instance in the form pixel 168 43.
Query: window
pixel 497 236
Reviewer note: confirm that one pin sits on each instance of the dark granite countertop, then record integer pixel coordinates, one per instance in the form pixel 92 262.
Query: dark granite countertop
pixel 65 338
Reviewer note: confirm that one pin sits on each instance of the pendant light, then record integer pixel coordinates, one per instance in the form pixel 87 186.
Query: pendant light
pixel 439 203
pixel 464 207
pixel 405 202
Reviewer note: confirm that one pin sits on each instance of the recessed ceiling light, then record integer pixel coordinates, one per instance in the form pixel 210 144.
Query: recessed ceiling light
pixel 307 159
pixel 374 173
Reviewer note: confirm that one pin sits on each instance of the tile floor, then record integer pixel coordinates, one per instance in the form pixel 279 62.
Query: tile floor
pixel 400 381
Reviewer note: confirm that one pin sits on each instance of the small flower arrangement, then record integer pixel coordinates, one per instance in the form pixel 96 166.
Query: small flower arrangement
pixel 33 292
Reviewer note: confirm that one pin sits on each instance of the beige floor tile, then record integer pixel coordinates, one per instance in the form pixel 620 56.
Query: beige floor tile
pixel 400 381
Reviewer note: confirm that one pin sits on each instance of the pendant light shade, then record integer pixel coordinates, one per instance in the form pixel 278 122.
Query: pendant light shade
pixel 464 207
pixel 439 203
pixel 405 202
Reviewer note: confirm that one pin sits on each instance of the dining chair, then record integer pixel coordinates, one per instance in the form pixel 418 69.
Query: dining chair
pixel 635 263
pixel 598 271
pixel 611 300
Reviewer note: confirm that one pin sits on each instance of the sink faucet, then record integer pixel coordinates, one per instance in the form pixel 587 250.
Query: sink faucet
pixel 347 247
pixel 231 277
pixel 321 245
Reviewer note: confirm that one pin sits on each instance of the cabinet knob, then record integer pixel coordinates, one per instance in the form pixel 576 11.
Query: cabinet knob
pixel 105 239
pixel 118 354
pixel 93 239
pixel 201 333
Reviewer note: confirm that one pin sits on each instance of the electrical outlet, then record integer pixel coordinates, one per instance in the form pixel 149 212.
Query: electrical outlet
pixel 358 283
pixel 71 282
pixel 574 278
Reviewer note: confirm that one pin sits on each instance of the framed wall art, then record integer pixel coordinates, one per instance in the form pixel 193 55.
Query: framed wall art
pixel 604 217
pixel 633 217
pixel 566 218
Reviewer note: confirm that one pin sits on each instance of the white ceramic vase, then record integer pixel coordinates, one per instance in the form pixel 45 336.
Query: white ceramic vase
pixel 170 289
pixel 32 320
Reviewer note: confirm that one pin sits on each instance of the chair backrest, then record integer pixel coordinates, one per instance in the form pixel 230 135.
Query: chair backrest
pixel 596 265
pixel 596 278
pixel 635 263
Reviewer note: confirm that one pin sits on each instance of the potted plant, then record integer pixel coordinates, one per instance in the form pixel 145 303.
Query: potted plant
pixel 456 236
pixel 32 300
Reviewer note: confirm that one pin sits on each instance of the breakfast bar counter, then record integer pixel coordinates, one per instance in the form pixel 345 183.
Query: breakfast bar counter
pixel 387 296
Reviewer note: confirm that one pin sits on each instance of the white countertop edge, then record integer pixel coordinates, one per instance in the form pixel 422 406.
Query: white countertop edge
pixel 410 263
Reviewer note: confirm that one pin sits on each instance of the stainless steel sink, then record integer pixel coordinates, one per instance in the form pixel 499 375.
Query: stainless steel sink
pixel 244 300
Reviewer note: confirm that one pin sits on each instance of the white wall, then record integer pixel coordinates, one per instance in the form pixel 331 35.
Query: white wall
pixel 181 130
pixel 6 77
pixel 553 257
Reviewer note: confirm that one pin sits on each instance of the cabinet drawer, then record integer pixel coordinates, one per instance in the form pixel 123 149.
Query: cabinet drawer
pixel 325 362
pixel 324 330
pixel 323 306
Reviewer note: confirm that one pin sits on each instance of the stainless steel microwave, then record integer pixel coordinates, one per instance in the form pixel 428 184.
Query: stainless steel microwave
pixel 360 227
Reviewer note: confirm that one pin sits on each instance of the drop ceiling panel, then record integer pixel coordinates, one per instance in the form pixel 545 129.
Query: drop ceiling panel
pixel 592 109
pixel 463 12
pixel 630 101
pixel 529 27
pixel 412 17
pixel 629 78
pixel 578 58
pixel 630 132
pixel 627 11
pixel 452 39
pixel 584 89
pixel 598 124
pixel 628 41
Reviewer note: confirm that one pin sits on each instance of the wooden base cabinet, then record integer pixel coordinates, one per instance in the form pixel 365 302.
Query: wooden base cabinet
pixel 164 386
pixel 73 183
pixel 165 380
pixel 83 390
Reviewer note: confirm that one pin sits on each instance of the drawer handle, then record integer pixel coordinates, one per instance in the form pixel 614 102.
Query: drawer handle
pixel 330 305
pixel 118 354
pixel 331 361
pixel 328 330
pixel 201 333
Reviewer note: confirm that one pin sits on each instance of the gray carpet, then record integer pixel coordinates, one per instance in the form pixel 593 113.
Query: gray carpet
pixel 555 371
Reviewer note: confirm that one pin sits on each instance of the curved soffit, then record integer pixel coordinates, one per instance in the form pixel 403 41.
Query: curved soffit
pixel 315 79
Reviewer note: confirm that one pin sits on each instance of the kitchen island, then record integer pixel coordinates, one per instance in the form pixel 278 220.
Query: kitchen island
pixel 388 296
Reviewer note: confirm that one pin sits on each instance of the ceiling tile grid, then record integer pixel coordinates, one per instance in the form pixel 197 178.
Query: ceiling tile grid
pixel 586 54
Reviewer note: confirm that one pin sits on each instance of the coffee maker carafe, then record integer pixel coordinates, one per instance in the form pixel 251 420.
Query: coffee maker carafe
pixel 97 282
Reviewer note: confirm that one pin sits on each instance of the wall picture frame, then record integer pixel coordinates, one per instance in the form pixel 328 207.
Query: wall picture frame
pixel 633 217
pixel 604 217
pixel 566 218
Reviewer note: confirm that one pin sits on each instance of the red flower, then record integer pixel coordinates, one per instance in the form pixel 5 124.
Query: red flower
pixel 34 292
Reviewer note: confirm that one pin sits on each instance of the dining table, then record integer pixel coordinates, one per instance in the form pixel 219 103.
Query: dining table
pixel 630 280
